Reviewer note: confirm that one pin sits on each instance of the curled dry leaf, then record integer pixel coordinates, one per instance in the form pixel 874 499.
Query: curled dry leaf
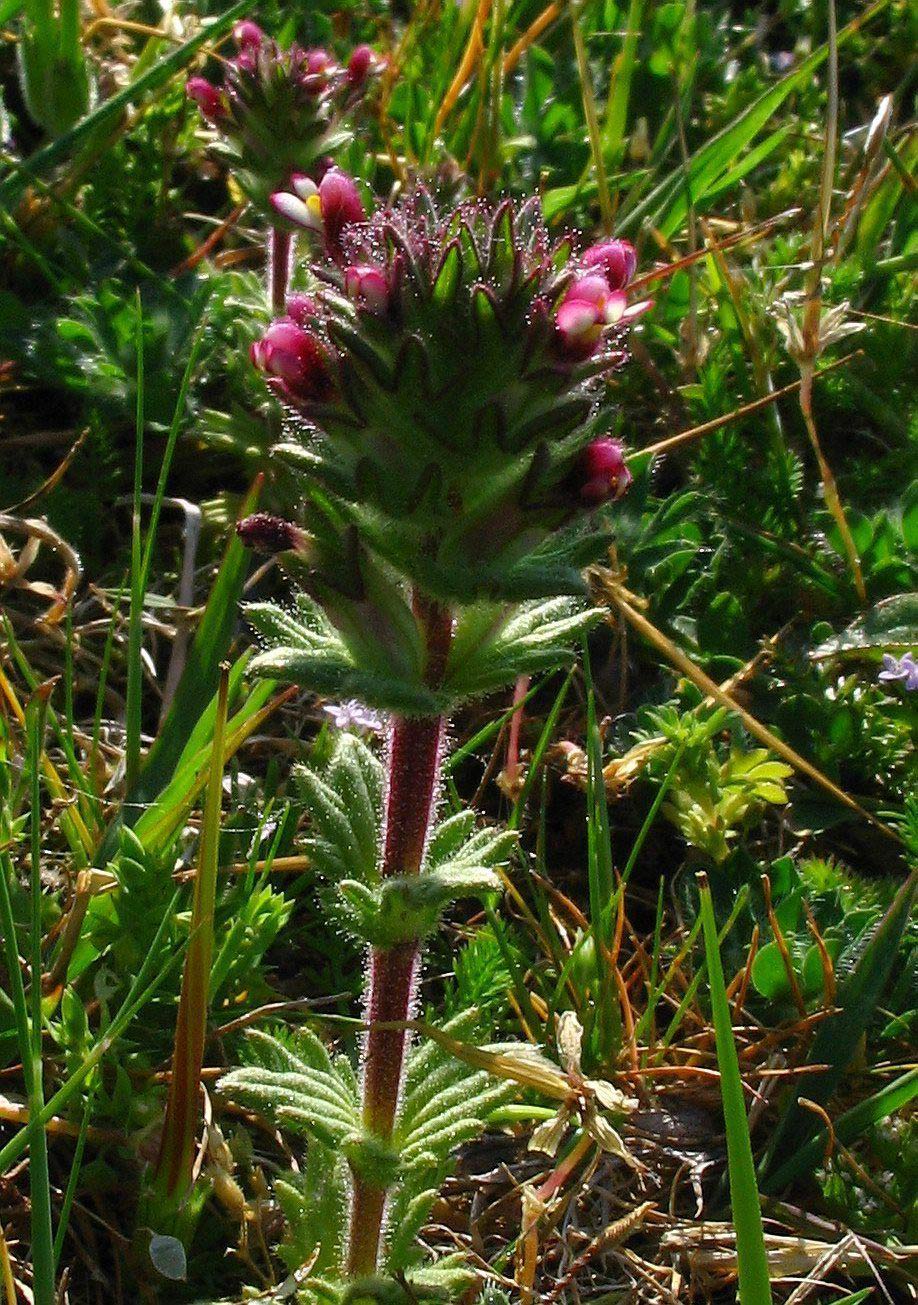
pixel 14 567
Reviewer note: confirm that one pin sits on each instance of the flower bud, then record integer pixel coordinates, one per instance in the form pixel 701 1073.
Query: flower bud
pixel 318 61
pixel 300 308
pixel 318 67
pixel 367 286
pixel 340 205
pixel 359 65
pixel 207 97
pixel 603 471
pixel 248 35
pixel 616 260
pixel 294 361
pixel 269 534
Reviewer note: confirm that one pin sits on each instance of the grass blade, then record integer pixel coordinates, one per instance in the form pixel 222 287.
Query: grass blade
pixel 666 206
pixel 39 1179
pixel 607 1030
pixel 199 679
pixel 754 1282
pixel 848 1128
pixel 135 621
pixel 143 987
pixel 176 1155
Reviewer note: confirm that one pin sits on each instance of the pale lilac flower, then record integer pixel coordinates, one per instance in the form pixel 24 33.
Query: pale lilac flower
pixel 903 669
pixel 353 717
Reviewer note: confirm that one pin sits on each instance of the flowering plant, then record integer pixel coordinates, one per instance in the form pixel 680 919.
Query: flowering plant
pixel 264 85
pixel 445 383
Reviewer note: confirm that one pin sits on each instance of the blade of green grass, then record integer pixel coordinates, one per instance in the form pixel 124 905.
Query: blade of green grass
pixel 606 1034
pixel 161 820
pixel 199 678
pixel 72 1181
pixel 692 988
pixel 754 1281
pixel 140 992
pixel 173 1174
pixel 666 205
pixel 134 692
pixel 487 732
pixel 42 1237
pixel 651 815
pixel 538 752
pixel 103 681
pixel 76 822
pixel 171 439
pixel 613 131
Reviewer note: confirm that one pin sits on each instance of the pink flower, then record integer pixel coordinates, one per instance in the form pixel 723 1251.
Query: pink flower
pixel 341 206
pixel 604 472
pixel 358 66
pixel 366 285
pixel 579 325
pixel 318 68
pixel 318 61
pixel 248 35
pixel 207 97
pixel 588 306
pixel 616 260
pixel 328 207
pixel 294 361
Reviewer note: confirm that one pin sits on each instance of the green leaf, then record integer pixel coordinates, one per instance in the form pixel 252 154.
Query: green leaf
pixel 492 648
pixel 345 805
pixel 446 1104
pixel 769 976
pixel 891 625
pixel 306 649
pixel 296 1083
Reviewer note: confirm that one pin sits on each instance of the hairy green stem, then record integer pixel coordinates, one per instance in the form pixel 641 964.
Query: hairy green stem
pixel 415 756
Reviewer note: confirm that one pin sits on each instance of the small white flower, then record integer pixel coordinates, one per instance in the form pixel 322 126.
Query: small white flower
pixel 353 717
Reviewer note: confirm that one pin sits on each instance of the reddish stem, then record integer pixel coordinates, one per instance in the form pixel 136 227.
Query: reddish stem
pixel 414 773
pixel 280 249
pixel 512 768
